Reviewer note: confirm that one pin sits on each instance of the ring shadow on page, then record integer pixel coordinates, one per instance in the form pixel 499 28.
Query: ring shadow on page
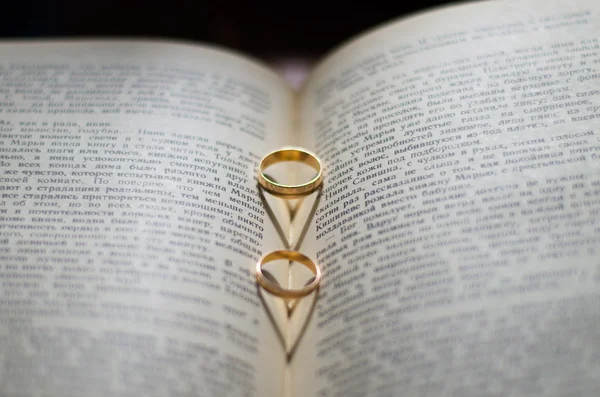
pixel 290 304
pixel 292 211
pixel 289 351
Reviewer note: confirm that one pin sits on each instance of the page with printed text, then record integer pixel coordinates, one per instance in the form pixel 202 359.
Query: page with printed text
pixel 459 227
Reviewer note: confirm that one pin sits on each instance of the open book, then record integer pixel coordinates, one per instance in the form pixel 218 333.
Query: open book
pixel 458 229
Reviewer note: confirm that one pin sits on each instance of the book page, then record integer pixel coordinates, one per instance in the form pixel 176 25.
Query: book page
pixel 130 223
pixel 459 230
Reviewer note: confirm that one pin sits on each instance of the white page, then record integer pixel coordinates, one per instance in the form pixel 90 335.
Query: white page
pixel 458 231
pixel 129 220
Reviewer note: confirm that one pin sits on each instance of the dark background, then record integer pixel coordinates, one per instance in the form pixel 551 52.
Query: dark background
pixel 264 29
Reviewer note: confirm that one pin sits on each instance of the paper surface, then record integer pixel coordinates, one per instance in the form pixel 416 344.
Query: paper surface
pixel 130 221
pixel 458 231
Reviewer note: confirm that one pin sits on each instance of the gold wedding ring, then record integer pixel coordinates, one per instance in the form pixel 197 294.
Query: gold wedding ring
pixel 279 291
pixel 290 154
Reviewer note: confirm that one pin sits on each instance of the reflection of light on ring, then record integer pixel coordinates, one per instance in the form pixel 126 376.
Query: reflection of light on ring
pixel 290 154
pixel 294 256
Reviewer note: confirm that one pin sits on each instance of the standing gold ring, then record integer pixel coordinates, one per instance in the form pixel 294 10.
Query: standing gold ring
pixel 290 154
pixel 292 256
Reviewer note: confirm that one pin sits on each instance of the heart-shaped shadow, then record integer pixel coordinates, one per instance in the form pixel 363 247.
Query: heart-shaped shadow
pixel 288 340
pixel 292 210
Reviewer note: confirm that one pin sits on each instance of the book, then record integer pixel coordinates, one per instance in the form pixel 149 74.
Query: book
pixel 458 226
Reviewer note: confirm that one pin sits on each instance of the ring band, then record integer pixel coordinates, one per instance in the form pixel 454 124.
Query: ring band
pixel 290 154
pixel 292 256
